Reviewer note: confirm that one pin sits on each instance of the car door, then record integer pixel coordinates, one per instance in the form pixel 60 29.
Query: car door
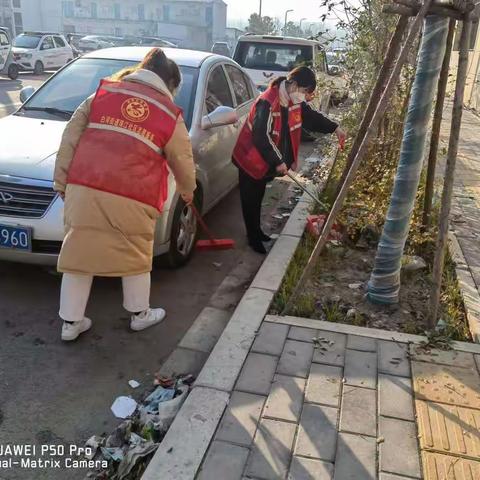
pixel 4 49
pixel 64 52
pixel 214 147
pixel 48 53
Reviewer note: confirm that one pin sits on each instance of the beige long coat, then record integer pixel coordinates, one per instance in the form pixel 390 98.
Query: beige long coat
pixel 105 234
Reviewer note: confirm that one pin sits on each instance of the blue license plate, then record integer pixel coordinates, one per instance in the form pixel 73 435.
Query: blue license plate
pixel 17 238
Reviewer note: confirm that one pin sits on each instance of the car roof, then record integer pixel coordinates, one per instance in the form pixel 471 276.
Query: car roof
pixel 41 34
pixel 277 39
pixel 186 58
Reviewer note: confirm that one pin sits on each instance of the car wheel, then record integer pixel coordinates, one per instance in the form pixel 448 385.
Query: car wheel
pixel 13 71
pixel 183 236
pixel 39 68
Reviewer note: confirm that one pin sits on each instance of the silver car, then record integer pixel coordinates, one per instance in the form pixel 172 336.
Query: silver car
pixel 215 95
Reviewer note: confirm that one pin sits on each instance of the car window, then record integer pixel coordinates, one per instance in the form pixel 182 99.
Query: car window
pixel 240 84
pixel 218 91
pixel 273 56
pixel 67 89
pixel 47 44
pixel 59 42
pixel 3 39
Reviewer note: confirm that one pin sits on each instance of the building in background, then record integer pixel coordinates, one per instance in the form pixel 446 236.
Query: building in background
pixel 11 16
pixel 188 23
pixel 232 35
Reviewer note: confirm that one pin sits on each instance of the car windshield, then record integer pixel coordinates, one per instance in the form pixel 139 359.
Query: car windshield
pixel 273 56
pixel 26 41
pixel 71 86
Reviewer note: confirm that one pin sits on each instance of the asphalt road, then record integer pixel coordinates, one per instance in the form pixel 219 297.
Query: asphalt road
pixel 57 393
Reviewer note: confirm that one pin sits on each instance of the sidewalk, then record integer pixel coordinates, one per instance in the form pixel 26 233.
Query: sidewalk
pixel 465 214
pixel 347 407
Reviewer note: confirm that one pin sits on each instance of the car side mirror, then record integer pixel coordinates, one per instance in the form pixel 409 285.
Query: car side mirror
pixel 26 93
pixel 219 117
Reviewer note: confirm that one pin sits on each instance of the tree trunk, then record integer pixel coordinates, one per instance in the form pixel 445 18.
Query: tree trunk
pixel 384 284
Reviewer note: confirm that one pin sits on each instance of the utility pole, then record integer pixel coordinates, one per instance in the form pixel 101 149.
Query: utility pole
pixel 285 25
pixel 260 9
pixel 301 22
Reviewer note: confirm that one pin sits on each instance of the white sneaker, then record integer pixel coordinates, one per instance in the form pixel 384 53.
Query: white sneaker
pixel 71 331
pixel 146 319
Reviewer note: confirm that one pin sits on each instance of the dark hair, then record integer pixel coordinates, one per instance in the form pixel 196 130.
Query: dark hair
pixel 157 62
pixel 303 76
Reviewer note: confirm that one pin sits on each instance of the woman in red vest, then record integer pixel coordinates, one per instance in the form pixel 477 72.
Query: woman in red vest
pixel 111 170
pixel 269 142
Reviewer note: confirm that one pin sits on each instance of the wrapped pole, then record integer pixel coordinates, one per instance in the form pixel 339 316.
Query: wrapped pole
pixel 384 284
pixel 449 173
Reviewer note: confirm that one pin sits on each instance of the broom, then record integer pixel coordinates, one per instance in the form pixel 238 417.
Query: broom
pixel 213 243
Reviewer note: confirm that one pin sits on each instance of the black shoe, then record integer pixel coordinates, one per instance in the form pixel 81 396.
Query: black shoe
pixel 257 246
pixel 264 237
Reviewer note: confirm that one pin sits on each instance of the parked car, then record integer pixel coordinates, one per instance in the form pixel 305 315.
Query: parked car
pixel 156 42
pixel 7 62
pixel 215 95
pixel 38 51
pixel 90 43
pixel 265 57
pixel 221 48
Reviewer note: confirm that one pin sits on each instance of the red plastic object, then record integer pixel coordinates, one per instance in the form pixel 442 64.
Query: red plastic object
pixel 315 225
pixel 213 243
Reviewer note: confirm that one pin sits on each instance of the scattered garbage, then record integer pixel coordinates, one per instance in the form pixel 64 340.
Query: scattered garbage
pixel 217 265
pixel 133 383
pixel 115 454
pixel 274 236
pixel 351 313
pixel 355 286
pixel 123 407
pixel 159 395
pixel 277 216
pixel 315 226
pixel 133 455
pixel 92 443
pixel 413 263
pixel 285 215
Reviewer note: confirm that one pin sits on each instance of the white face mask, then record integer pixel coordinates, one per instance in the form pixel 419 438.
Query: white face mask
pixel 297 97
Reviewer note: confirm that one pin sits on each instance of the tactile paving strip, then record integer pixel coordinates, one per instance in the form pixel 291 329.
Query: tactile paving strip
pixel 445 467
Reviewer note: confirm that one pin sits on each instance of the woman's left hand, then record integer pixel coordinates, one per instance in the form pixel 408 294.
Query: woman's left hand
pixel 342 136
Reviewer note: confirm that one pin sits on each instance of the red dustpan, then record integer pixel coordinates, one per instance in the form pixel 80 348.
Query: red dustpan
pixel 212 243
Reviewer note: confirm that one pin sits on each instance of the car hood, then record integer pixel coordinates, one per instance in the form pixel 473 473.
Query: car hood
pixel 29 146
pixel 21 50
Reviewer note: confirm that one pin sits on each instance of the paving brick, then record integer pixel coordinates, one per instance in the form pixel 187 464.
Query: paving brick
pixel 399 436
pixel 302 334
pixel 335 353
pixel 391 476
pixel 364 344
pixel 393 358
pixel 317 433
pixel 224 461
pixel 206 330
pixel 361 369
pixel 445 384
pixel 271 338
pixel 356 458
pixel 395 397
pixel 296 358
pixel 442 467
pixel 441 357
pixel 240 419
pixel 257 374
pixel 285 399
pixel 271 451
pixel 310 469
pixel 324 384
pixel 449 429
pixel 359 411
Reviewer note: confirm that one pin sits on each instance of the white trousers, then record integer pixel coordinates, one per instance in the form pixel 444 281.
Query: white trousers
pixel 76 288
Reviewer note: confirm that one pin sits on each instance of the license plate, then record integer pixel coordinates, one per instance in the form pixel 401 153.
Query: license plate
pixel 17 238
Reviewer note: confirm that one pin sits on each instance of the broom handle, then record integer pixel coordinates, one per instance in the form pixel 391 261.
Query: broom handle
pixel 202 223
pixel 307 192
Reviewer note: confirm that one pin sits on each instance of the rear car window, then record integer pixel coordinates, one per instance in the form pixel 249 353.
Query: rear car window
pixel 273 56
pixel 27 41
pixel 59 42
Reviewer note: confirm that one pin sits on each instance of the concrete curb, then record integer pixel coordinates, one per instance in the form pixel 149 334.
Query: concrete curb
pixel 468 287
pixel 181 452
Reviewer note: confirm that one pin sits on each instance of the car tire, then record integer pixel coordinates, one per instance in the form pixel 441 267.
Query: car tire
pixel 39 68
pixel 183 236
pixel 13 71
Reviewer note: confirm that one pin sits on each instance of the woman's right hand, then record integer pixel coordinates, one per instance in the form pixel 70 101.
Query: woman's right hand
pixel 282 169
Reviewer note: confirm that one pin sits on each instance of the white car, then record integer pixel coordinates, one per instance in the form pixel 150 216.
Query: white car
pixel 266 57
pixel 39 51
pixel 215 96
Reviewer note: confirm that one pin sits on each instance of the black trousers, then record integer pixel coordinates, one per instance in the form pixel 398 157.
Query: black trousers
pixel 251 195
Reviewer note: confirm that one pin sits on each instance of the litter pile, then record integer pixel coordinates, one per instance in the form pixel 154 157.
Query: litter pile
pixel 130 446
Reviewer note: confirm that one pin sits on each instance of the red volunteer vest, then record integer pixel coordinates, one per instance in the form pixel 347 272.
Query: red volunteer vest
pixel 121 150
pixel 246 155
